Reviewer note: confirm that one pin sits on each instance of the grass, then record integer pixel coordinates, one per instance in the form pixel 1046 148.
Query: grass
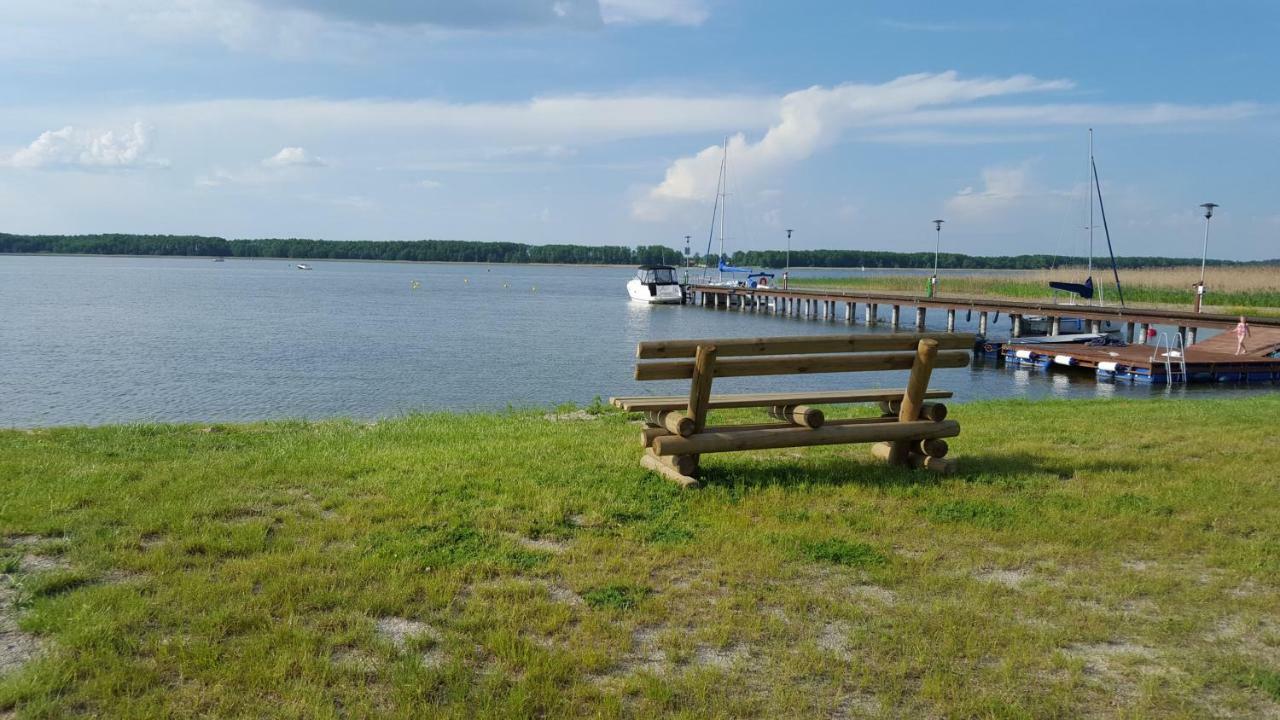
pixel 1251 290
pixel 1100 558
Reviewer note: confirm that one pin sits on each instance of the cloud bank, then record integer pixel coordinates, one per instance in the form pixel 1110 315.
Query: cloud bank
pixel 69 148
pixel 818 117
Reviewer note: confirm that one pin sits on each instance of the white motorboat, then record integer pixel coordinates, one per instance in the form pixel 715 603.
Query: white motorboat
pixel 656 284
pixel 303 266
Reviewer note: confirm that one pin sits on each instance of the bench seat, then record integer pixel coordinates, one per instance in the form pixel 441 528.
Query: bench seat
pixel 649 403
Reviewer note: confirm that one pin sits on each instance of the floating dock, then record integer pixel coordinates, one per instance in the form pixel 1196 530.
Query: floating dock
pixel 1209 361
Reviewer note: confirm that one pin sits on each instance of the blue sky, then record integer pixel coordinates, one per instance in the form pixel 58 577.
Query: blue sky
pixel 595 121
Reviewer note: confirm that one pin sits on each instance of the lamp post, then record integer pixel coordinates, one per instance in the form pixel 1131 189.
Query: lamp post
pixel 786 273
pixel 937 246
pixel 1204 253
pixel 686 258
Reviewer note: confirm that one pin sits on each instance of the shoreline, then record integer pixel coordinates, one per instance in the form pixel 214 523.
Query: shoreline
pixel 805 268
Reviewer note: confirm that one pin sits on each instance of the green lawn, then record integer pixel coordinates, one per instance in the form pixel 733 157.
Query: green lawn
pixel 1089 558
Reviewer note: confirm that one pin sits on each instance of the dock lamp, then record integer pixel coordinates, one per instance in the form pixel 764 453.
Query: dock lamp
pixel 786 273
pixel 686 257
pixel 1204 253
pixel 937 246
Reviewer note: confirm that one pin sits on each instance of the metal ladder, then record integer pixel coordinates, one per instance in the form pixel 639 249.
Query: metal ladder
pixel 1170 347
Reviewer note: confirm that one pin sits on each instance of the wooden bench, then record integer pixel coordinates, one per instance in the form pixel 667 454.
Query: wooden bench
pixel 909 431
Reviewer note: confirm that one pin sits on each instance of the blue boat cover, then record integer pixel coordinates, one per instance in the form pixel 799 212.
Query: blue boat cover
pixel 1084 290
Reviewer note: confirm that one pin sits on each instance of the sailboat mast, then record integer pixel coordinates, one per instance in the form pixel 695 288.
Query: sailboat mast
pixel 1091 186
pixel 724 189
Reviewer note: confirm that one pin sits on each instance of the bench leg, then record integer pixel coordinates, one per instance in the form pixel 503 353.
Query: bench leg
pixel 909 458
pixel 671 470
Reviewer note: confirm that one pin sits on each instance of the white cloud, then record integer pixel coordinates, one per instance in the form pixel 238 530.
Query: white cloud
pixel 675 12
pixel 298 29
pixel 451 13
pixel 1002 188
pixel 292 157
pixel 946 27
pixel 70 148
pixel 816 117
pixel 430 184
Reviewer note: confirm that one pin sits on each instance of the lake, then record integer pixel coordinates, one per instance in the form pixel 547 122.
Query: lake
pixel 93 340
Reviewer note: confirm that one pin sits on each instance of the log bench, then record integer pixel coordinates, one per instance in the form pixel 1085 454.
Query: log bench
pixel 909 431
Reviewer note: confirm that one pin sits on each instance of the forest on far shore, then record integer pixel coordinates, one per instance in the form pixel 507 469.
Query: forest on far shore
pixel 509 252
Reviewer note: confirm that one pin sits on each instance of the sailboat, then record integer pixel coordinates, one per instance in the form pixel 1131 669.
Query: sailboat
pixel 1041 325
pixel 753 279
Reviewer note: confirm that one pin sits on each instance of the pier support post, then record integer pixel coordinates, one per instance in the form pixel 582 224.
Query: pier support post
pixel 951 320
pixel 1142 333
pixel 1191 336
pixel 1095 326
pixel 1017 326
pixel 850 309
pixel 896 317
pixel 870 314
pixel 920 314
pixel 1130 332
pixel 982 324
pixel 1055 326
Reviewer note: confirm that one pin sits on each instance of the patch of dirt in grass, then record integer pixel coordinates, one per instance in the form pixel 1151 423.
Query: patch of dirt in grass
pixel 720 658
pixel 119 577
pixel 400 631
pixel 644 656
pixel 1140 606
pixel 833 637
pixel 882 595
pixel 355 659
pixel 1137 565
pixel 32 563
pixel 1109 663
pixel 1008 578
pixel 152 540
pixel 563 594
pixel 1259 639
pixel 575 416
pixel 585 521
pixel 25 540
pixel 858 705
pixel 1247 588
pixel 542 544
pixel 17 648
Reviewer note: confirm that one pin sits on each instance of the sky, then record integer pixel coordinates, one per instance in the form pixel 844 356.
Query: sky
pixel 602 122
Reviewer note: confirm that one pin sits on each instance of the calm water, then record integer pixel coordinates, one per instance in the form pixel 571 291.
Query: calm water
pixel 87 340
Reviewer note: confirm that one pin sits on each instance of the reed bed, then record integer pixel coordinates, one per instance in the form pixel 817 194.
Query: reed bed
pixel 1251 290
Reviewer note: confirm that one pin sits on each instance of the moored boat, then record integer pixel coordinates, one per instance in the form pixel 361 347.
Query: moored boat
pixel 656 284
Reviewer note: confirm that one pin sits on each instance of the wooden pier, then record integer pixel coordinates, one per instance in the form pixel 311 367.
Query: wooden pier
pixel 1213 360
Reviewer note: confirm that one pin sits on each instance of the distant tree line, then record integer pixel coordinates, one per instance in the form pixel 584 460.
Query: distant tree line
pixel 299 248
pixel 508 252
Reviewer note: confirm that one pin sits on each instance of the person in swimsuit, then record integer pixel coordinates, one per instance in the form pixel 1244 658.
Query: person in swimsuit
pixel 1242 332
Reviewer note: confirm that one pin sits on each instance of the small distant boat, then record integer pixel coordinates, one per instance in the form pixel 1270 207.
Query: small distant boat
pixel 219 259
pixel 303 266
pixel 656 285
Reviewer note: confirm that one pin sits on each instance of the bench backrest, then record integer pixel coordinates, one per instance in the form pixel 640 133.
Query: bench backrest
pixel 738 357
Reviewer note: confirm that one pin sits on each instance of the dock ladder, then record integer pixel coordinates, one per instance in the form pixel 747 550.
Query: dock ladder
pixel 1173 349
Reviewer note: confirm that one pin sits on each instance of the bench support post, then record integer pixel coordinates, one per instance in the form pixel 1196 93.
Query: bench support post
pixel 913 398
